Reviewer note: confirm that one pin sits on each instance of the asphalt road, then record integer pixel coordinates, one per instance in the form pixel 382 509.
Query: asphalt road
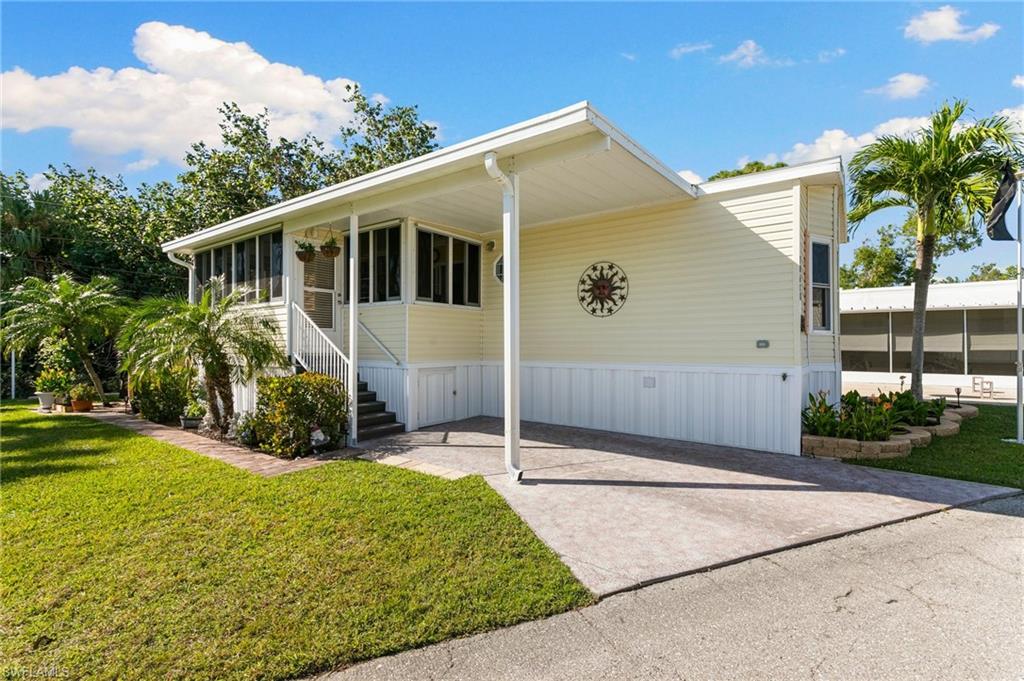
pixel 939 597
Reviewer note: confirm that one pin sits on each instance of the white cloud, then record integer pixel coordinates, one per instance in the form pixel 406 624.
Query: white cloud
pixel 838 142
pixel 140 165
pixel 944 24
pixel 1016 116
pixel 688 48
pixel 825 56
pixel 748 54
pixel 38 182
pixel 903 86
pixel 158 111
pixel 690 176
pixel 1018 81
pixel 628 56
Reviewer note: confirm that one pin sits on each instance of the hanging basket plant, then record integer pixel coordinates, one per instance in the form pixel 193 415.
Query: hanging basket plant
pixel 330 248
pixel 305 251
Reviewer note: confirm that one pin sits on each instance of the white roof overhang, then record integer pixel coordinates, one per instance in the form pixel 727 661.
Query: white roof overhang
pixel 571 162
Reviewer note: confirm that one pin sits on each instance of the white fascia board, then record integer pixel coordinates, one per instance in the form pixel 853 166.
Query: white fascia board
pixel 970 295
pixel 804 171
pixel 627 143
pixel 351 190
pixel 360 192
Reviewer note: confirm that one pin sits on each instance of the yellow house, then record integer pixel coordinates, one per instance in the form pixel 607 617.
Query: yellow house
pixel 554 271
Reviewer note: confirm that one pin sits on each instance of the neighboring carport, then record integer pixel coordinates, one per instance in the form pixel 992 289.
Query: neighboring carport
pixel 623 511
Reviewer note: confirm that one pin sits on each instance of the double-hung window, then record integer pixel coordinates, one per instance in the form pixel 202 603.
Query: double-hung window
pixel 821 286
pixel 380 264
pixel 447 269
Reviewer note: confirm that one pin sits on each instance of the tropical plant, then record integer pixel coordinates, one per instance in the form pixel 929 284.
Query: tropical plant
pixel 290 408
pixel 219 336
pixel 946 174
pixel 56 381
pixel 83 392
pixel 81 314
pixel 162 398
pixel 854 417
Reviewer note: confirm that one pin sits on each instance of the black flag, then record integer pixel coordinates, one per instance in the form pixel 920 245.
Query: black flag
pixel 995 223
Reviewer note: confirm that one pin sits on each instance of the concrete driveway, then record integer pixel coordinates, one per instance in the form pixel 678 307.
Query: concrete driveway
pixel 623 511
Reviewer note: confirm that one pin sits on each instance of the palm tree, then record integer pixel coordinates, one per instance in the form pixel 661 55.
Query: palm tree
pixel 63 308
pixel 946 174
pixel 218 335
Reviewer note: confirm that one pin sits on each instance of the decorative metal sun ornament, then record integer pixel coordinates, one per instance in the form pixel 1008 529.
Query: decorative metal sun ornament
pixel 603 289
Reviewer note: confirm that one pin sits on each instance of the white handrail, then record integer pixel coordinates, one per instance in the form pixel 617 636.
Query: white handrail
pixel 314 350
pixel 379 343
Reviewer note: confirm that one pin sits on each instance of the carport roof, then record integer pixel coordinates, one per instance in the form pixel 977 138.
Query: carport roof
pixel 572 162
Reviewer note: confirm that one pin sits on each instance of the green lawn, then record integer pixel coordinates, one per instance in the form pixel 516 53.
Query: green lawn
pixel 977 453
pixel 124 557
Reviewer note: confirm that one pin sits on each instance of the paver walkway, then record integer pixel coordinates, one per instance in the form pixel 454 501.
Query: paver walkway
pixel 261 464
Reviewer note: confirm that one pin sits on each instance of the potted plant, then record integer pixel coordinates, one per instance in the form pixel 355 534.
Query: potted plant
pixel 193 415
pixel 305 251
pixel 82 396
pixel 330 248
pixel 49 384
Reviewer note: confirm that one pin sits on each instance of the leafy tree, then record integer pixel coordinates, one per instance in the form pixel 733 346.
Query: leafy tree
pixel 988 271
pixel 890 262
pixel 32 231
pixel 750 167
pixel 83 314
pixel 946 175
pixel 170 337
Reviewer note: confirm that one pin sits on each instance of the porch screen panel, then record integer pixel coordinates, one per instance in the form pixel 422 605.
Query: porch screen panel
pixel 263 279
pixel 943 341
pixel 865 342
pixel 473 274
pixel 394 263
pixel 458 272
pixel 439 268
pixel 269 265
pixel 380 264
pixel 222 265
pixel 245 266
pixel 992 342
pixel 203 270
pixel 364 267
pixel 423 260
pixel 277 264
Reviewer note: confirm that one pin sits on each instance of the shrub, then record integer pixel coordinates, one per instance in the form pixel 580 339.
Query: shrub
pixel 162 399
pixel 905 408
pixel 289 407
pixel 83 392
pixel 854 417
pixel 56 381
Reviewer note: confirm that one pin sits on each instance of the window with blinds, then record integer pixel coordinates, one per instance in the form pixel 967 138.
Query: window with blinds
pixel 318 277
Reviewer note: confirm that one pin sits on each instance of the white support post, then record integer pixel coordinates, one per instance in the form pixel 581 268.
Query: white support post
pixel 353 329
pixel 13 382
pixel 510 235
pixel 1020 319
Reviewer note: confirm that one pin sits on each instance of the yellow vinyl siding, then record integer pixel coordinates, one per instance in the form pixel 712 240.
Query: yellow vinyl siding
pixel 707 279
pixel 821 222
pixel 387 322
pixel 441 333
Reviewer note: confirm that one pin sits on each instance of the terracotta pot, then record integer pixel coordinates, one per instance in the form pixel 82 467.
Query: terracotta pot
pixel 81 405
pixel 330 251
pixel 306 256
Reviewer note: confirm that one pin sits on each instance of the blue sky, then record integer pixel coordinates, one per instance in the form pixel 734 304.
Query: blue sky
pixel 703 86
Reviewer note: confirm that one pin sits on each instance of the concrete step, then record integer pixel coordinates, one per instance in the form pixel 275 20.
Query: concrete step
pixel 376 418
pixel 370 407
pixel 366 396
pixel 380 430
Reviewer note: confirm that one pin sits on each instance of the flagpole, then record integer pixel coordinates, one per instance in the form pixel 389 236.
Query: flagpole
pixel 1020 318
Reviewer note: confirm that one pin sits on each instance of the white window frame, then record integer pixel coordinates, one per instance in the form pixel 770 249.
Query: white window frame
pixel 420 227
pixel 830 330
pixel 230 274
pixel 370 252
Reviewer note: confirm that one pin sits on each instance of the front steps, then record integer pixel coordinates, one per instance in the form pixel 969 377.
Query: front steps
pixel 373 418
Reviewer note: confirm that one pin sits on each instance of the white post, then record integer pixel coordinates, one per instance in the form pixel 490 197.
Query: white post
pixel 1020 324
pixel 510 235
pixel 353 328
pixel 13 386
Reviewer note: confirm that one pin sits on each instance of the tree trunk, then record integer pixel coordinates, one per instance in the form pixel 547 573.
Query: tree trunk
pixel 922 278
pixel 94 377
pixel 212 406
pixel 227 398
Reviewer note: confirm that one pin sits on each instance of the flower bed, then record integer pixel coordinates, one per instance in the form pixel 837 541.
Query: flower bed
pixel 885 425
